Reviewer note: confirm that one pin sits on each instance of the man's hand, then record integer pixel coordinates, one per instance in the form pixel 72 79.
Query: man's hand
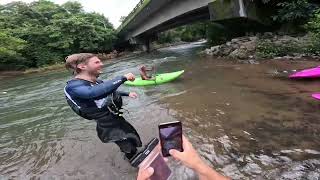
pixel 145 174
pixel 133 95
pixel 130 77
pixel 189 157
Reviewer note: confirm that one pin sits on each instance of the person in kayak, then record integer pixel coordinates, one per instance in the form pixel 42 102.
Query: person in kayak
pixel 94 99
pixel 145 72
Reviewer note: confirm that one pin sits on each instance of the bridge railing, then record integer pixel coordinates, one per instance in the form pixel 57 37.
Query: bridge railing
pixel 133 13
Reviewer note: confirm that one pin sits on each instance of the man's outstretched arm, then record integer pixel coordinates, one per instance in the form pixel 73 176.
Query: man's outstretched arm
pixel 97 91
pixel 100 90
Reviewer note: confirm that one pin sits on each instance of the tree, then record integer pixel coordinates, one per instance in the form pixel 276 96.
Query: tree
pixel 122 19
pixel 314 24
pixel 188 33
pixel 44 32
pixel 295 11
pixel 10 51
pixel 73 7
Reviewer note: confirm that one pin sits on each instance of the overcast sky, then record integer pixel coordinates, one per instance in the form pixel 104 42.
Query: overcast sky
pixel 112 9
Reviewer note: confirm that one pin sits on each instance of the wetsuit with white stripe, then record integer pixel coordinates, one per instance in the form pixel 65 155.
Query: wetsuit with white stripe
pixel 95 101
pixel 91 97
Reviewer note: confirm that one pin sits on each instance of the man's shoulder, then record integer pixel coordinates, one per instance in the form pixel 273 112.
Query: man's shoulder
pixel 76 83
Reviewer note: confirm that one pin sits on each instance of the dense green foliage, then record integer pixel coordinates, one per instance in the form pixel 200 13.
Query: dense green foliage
pixel 314 23
pixel 42 33
pixel 187 33
pixel 295 11
pixel 292 15
pixel 308 45
pixel 213 32
pixel 193 32
pixel 268 49
pixel 296 16
pixel 311 42
pixel 11 50
pixel 217 34
pixel 314 27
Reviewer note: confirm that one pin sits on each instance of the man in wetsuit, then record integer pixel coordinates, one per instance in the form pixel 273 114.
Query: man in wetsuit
pixel 98 100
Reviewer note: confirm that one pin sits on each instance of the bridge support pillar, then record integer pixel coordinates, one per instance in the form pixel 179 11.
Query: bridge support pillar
pixel 146 45
pixel 141 43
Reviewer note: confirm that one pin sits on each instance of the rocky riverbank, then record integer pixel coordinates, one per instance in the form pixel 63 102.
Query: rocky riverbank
pixel 113 55
pixel 266 46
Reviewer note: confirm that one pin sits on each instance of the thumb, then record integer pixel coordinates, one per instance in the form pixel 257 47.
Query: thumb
pixel 174 153
pixel 147 173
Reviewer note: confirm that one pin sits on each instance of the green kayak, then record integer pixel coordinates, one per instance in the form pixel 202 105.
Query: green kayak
pixel 160 79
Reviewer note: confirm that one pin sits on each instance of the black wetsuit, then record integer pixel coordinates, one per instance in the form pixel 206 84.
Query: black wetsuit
pixel 101 102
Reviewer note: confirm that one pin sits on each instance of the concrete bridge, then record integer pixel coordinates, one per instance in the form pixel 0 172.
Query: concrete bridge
pixel 150 17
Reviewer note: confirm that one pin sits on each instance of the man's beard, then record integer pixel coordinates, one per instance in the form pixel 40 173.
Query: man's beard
pixel 96 73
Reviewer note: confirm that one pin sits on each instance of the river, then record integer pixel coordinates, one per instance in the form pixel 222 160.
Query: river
pixel 244 120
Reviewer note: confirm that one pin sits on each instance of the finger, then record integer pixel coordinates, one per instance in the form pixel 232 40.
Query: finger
pixel 147 173
pixel 184 138
pixel 165 159
pixel 174 153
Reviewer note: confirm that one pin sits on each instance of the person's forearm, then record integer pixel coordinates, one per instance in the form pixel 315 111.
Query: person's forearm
pixel 145 77
pixel 205 172
pixel 98 91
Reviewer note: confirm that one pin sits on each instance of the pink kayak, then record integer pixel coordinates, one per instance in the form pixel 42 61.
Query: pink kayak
pixel 307 73
pixel 316 96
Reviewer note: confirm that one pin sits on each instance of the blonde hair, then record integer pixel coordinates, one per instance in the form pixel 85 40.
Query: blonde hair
pixel 73 60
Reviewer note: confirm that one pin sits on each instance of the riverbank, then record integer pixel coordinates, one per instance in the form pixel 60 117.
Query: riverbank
pixel 10 74
pixel 267 46
pixel 61 66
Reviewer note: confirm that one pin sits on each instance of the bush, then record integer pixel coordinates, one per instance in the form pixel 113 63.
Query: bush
pixel 314 24
pixel 314 27
pixel 167 37
pixel 187 33
pixel 187 36
pixel 268 49
pixel 295 11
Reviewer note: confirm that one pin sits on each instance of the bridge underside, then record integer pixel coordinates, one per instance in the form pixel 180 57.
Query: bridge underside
pixel 241 13
pixel 201 14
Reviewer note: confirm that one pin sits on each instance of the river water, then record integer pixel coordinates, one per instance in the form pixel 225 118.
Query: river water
pixel 246 120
